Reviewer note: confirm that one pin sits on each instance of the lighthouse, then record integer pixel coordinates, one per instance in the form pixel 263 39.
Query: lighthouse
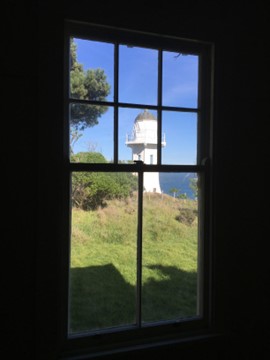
pixel 143 143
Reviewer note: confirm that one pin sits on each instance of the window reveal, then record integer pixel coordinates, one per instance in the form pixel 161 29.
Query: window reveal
pixel 135 197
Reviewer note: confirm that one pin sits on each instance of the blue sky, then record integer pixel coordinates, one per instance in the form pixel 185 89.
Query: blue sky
pixel 138 84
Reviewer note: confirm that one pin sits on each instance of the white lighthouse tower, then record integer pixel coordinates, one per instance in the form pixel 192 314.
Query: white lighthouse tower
pixel 143 142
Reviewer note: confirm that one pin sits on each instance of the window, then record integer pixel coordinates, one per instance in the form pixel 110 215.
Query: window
pixel 137 150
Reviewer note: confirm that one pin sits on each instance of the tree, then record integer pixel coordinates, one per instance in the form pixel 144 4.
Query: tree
pixel 174 191
pixel 193 184
pixel 182 196
pixel 74 137
pixel 86 85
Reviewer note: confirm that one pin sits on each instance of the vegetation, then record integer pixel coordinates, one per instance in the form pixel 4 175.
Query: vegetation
pixel 178 194
pixel 174 191
pixel 104 261
pixel 187 215
pixel 91 190
pixel 86 85
pixel 194 186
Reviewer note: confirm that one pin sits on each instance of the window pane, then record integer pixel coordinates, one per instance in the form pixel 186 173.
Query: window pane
pixel 180 80
pixel 91 70
pixel 138 135
pixel 103 250
pixel 180 131
pixel 170 248
pixel 138 75
pixel 97 137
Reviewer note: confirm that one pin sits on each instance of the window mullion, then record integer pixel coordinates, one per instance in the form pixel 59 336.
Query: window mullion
pixel 159 112
pixel 139 250
pixel 116 92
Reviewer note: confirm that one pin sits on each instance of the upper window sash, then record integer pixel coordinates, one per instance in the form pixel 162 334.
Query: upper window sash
pixel 202 109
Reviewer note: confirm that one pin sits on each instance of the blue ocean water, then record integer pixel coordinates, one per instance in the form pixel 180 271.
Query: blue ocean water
pixel 179 181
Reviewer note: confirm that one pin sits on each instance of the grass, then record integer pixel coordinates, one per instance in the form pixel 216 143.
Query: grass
pixel 104 260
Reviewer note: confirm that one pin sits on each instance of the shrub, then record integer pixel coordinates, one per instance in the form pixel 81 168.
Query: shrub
pixel 90 190
pixel 186 216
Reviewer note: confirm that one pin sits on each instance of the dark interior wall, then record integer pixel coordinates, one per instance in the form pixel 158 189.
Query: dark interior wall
pixel 19 178
pixel 32 78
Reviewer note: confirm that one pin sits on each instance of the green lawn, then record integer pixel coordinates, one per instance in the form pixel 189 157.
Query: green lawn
pixel 104 259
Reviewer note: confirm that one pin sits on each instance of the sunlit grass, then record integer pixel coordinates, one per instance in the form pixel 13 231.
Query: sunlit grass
pixel 104 260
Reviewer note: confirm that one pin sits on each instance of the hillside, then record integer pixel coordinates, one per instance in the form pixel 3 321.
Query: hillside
pixel 104 260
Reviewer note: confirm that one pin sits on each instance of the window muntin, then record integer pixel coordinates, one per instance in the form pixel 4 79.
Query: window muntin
pixel 116 163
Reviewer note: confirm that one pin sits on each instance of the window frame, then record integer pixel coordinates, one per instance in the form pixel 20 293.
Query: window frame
pixel 129 337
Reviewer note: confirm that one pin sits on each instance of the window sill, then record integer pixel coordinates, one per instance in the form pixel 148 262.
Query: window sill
pixel 160 349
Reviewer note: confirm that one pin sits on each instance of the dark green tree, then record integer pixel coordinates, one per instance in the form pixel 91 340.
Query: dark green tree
pixel 86 85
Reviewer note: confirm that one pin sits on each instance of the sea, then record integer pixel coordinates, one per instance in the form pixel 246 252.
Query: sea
pixel 179 181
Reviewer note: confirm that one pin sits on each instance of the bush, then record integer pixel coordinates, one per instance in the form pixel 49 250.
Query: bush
pixel 90 190
pixel 186 216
